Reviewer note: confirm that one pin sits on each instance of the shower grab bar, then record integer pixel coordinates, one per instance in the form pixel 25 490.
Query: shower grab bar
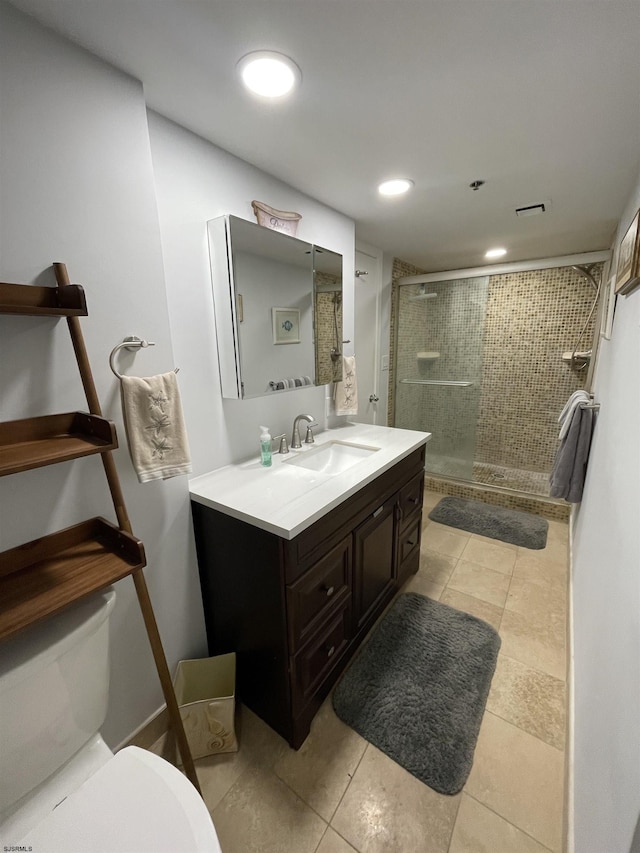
pixel 436 382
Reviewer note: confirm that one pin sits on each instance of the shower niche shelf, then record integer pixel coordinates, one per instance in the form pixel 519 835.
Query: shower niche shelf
pixel 427 356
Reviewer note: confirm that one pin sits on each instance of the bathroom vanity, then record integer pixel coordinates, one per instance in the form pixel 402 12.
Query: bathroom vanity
pixel 297 561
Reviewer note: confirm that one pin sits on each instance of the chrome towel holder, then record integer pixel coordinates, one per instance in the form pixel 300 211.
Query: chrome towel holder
pixel 591 404
pixel 132 343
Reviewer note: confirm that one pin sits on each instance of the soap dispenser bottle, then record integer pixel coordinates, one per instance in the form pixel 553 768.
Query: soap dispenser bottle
pixel 265 447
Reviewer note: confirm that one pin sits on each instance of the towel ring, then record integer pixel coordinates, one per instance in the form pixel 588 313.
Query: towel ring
pixel 132 343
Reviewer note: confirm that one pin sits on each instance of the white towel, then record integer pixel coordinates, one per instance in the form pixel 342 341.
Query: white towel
pixel 345 395
pixel 153 419
pixel 570 406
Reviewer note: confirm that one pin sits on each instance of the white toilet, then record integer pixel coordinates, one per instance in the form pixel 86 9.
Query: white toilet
pixel 61 787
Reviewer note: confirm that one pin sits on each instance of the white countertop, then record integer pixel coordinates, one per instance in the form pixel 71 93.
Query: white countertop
pixel 286 499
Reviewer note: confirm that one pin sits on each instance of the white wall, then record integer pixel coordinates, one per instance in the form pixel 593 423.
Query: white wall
pixel 606 597
pixel 77 185
pixel 195 182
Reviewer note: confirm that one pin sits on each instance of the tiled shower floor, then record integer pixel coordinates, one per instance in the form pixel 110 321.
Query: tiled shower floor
pixel 532 482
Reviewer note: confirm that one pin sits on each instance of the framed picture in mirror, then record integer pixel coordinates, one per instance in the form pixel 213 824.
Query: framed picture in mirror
pixel 286 325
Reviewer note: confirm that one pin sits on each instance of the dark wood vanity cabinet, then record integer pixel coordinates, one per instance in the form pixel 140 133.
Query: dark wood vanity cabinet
pixel 296 610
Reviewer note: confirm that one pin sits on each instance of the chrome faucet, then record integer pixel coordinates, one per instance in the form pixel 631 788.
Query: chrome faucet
pixel 295 438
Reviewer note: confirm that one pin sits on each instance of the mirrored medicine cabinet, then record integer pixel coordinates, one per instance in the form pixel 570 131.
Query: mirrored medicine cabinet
pixel 278 309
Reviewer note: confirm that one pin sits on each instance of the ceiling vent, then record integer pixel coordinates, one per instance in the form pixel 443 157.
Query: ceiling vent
pixel 531 210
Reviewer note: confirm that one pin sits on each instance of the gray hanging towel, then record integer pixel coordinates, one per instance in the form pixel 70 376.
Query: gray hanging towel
pixel 570 466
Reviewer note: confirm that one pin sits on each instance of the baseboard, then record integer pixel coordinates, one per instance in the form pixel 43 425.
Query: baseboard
pixel 569 826
pixel 153 728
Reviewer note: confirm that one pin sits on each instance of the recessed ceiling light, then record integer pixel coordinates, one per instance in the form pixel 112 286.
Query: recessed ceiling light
pixel 397 186
pixel 495 253
pixel 269 74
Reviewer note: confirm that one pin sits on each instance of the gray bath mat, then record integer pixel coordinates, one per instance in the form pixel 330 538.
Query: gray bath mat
pixel 497 522
pixel 418 688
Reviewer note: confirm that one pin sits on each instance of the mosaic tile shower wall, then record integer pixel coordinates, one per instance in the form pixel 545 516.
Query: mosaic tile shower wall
pixel 532 318
pixel 327 370
pixel 518 325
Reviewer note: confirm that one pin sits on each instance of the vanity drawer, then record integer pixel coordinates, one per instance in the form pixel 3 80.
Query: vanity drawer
pixel 323 588
pixel 411 497
pixel 315 661
pixel 311 544
pixel 409 548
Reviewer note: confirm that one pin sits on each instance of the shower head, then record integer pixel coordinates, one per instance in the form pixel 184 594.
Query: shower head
pixel 585 271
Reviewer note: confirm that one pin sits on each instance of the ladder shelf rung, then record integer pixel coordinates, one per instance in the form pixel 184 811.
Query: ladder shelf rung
pixel 46 440
pixel 33 299
pixel 44 576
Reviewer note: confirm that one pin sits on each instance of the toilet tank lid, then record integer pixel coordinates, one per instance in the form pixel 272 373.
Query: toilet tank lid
pixel 35 647
pixel 136 801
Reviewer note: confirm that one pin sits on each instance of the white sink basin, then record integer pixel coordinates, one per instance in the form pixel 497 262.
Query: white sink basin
pixel 334 457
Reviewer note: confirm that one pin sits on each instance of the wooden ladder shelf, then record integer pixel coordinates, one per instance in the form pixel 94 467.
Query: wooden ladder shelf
pixel 43 577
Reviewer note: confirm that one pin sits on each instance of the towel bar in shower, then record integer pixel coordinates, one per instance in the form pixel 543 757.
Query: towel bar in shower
pixel 436 382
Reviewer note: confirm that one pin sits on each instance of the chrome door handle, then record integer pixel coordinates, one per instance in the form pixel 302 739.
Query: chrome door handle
pixel 373 398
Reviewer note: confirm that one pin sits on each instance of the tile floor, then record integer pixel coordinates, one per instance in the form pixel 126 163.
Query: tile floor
pixel 339 794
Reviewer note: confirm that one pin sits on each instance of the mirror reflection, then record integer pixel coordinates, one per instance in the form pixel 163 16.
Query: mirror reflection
pixel 278 309
pixel 327 279
pixel 274 309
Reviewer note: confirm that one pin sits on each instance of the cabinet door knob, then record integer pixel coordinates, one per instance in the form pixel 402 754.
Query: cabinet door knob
pixel 330 651
pixel 329 590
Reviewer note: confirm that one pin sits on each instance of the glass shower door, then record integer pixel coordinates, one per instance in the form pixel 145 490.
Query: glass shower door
pixel 438 368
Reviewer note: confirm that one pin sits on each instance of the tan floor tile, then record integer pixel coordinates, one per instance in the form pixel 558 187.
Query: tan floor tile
pixel 320 771
pixel 542 600
pixel 261 813
pixel 530 699
pixel 520 778
pixel 490 555
pixel 558 531
pixel 480 582
pixel 436 567
pixel 387 809
pixel 479 830
pixel 437 537
pixel 555 552
pixel 334 843
pixel 536 642
pixel 258 745
pixel 417 583
pixel 430 500
pixel 467 603
pixel 491 541
pixel 539 569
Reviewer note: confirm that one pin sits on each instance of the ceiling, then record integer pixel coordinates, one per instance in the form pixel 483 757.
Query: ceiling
pixel 540 99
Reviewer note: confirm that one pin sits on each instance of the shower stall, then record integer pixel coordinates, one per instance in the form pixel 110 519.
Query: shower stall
pixel 485 362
